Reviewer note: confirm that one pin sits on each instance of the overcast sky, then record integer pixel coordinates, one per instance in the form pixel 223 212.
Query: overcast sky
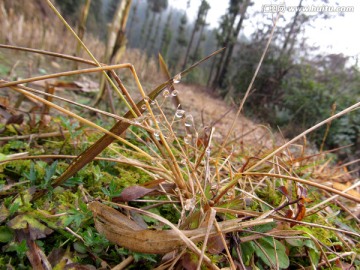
pixel 338 35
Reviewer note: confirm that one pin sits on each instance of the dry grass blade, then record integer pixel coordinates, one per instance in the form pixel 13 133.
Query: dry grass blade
pixel 89 154
pixel 90 54
pixel 66 73
pixel 303 134
pixel 249 87
pixel 355 185
pixel 54 54
pixel 282 148
pixel 81 119
pixel 207 234
pixel 279 218
pixel 83 106
pixel 164 69
pixel 305 182
pixel 125 161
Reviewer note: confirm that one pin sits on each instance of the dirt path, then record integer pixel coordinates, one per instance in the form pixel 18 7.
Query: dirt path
pixel 202 105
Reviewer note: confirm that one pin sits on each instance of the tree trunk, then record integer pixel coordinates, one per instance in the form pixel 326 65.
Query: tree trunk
pixel 222 55
pixel 291 31
pixel 132 22
pixel 200 38
pixel 189 47
pixel 81 29
pixel 225 68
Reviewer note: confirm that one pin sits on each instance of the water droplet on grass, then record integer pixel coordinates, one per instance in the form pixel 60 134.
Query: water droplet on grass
pixel 166 93
pixel 157 134
pixel 189 120
pixel 143 107
pixel 179 113
pixel 139 119
pixel 174 93
pixel 177 78
pixel 189 204
pixel 187 139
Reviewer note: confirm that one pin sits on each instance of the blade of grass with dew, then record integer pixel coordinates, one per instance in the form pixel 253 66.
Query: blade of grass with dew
pixel 164 69
pixel 89 154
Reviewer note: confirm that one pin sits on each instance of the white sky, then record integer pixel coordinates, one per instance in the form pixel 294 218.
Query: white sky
pixel 338 35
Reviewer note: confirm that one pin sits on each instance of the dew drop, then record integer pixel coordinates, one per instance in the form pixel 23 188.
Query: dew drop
pixel 157 134
pixel 139 120
pixel 174 93
pixel 189 120
pixel 166 93
pixel 155 161
pixel 208 151
pixel 152 102
pixel 146 99
pixel 177 78
pixel 179 113
pixel 187 138
pixel 189 204
pixel 143 107
pixel 183 161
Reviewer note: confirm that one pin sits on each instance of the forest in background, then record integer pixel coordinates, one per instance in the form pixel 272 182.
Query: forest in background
pixel 293 76
pixel 296 88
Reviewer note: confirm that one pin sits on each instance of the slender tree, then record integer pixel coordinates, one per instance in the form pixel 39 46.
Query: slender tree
pixel 81 29
pixel 200 20
pixel 156 7
pixel 70 8
pixel 144 27
pixel 226 30
pixel 132 20
pixel 181 42
pixel 197 55
pixel 111 9
pixel 155 37
pixel 166 36
pixel 222 78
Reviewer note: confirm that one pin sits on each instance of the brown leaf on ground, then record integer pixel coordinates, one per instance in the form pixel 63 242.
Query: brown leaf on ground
pixel 132 193
pixel 35 255
pixel 215 245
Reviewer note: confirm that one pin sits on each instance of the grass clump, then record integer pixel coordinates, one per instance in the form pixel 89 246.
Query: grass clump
pixel 157 191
